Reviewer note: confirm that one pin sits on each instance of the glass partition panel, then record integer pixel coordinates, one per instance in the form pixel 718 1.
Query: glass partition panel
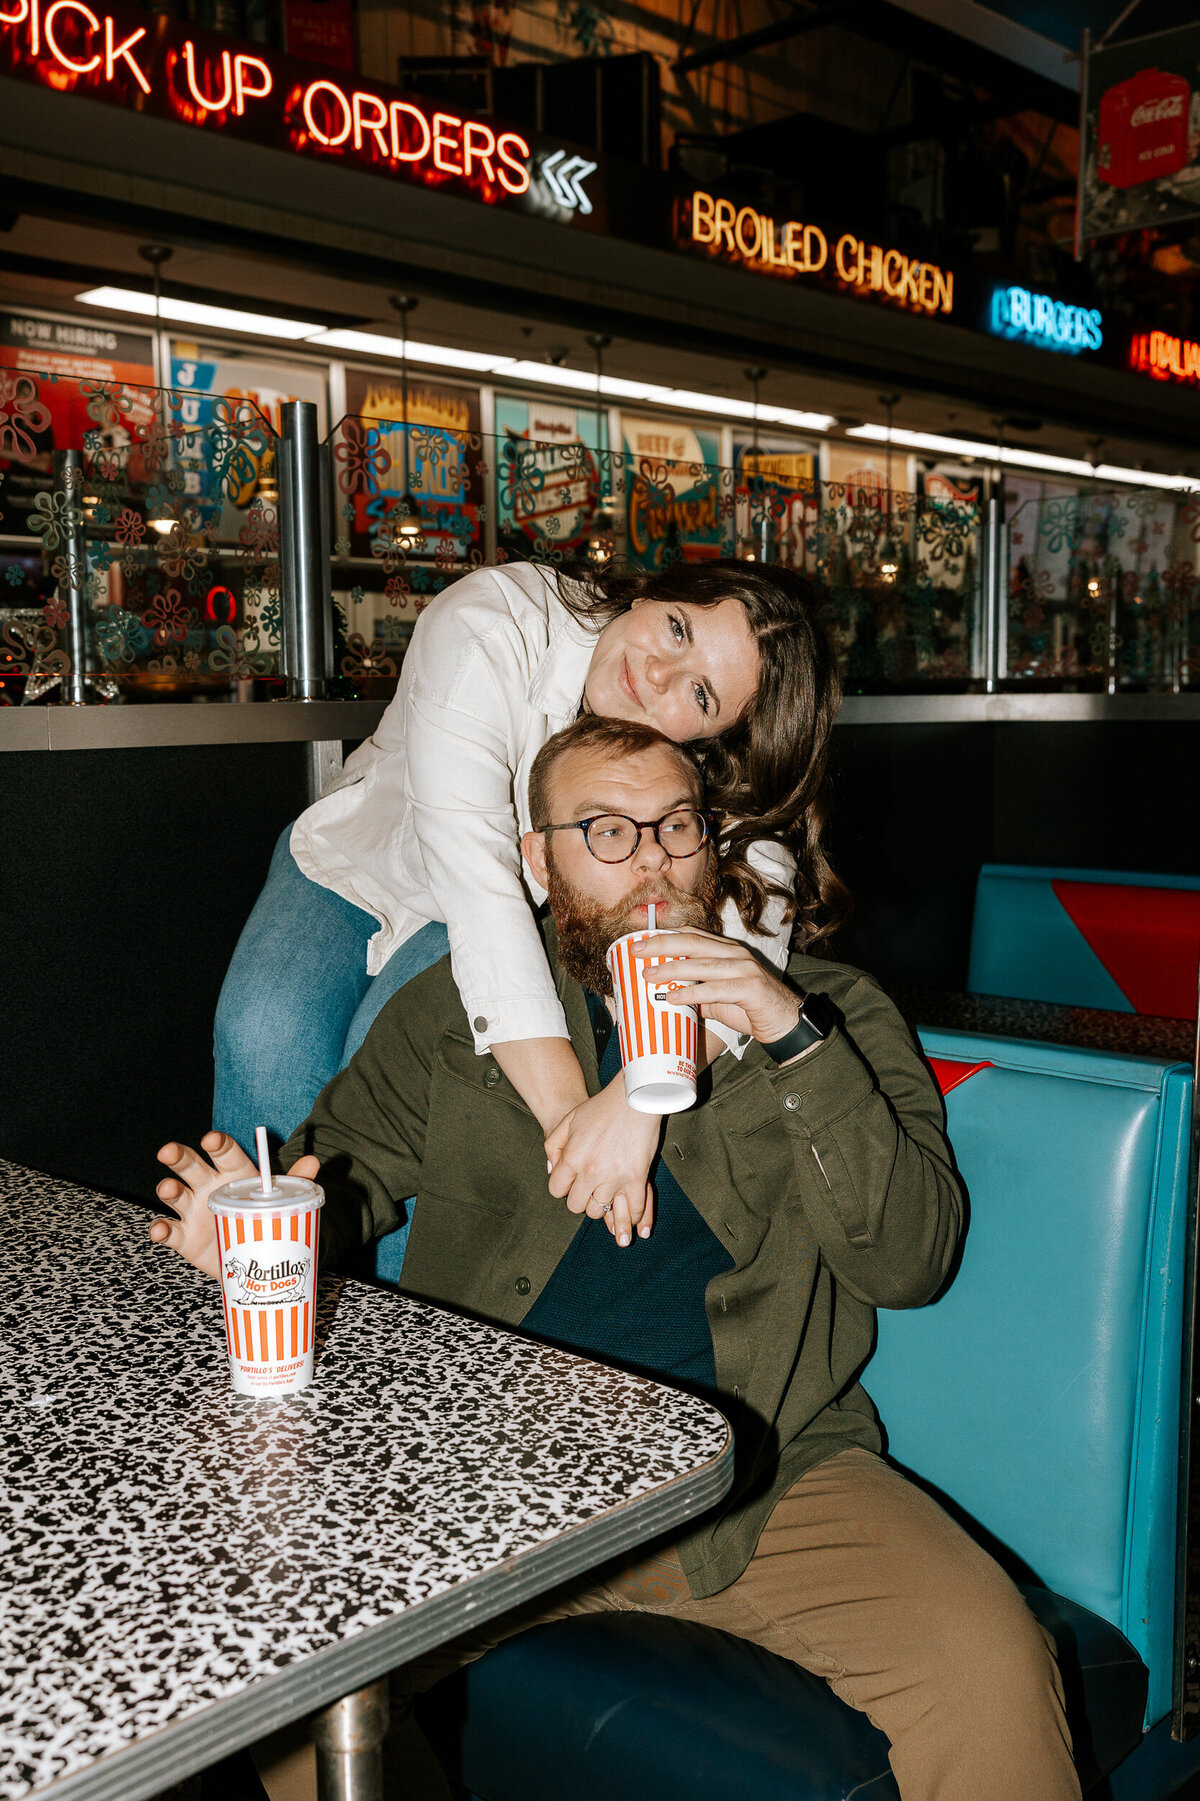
pixel 1104 589
pixel 162 528
pixel 416 507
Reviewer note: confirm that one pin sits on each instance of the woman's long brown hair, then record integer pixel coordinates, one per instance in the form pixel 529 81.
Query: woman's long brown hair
pixel 766 776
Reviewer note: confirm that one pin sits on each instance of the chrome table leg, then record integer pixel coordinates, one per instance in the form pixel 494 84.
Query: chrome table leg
pixel 349 1738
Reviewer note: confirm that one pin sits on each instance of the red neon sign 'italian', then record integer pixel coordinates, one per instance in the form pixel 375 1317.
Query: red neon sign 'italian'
pixel 198 79
pixel 1166 358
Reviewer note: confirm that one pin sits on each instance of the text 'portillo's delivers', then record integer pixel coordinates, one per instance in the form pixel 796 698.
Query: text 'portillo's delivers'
pixel 152 65
pixel 754 240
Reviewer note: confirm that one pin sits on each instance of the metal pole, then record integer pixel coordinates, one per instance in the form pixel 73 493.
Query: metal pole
pixel 1085 51
pixel 72 590
pixel 1185 1698
pixel 993 597
pixel 307 649
pixel 349 1739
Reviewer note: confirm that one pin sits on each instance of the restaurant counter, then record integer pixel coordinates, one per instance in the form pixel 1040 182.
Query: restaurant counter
pixel 125 727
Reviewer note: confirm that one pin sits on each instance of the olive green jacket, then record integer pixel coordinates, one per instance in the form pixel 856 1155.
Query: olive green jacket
pixel 829 1182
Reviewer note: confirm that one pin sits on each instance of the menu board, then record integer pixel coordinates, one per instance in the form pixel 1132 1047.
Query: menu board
pixel 859 472
pixel 210 389
pixel 58 381
pixel 673 493
pixel 553 475
pixel 437 458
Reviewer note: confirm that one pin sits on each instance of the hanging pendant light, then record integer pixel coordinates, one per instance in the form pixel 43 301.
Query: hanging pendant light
pixel 600 534
pixel 409 526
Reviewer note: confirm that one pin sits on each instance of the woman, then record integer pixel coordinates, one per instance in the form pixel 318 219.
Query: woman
pixel 416 847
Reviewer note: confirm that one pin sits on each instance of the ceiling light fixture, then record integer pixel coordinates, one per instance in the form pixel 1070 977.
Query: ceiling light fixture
pixel 194 312
pixel 1015 457
pixel 582 381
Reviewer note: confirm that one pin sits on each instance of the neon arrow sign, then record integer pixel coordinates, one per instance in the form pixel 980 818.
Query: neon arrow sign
pixel 565 179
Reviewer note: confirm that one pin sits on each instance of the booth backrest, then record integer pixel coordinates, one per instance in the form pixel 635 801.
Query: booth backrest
pixel 1087 938
pixel 1041 1391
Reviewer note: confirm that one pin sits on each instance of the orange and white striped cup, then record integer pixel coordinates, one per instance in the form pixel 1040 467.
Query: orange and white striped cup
pixel 658 1036
pixel 268 1248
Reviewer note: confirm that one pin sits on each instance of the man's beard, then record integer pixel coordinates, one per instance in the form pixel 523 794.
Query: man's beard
pixel 586 927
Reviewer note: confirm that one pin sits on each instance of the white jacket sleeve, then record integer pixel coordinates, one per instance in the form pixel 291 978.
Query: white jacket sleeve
pixel 772 860
pixel 459 785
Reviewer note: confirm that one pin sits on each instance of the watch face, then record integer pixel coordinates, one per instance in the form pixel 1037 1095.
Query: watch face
pixel 818 1011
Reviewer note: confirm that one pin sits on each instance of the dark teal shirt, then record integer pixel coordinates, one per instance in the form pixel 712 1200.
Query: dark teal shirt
pixel 641 1307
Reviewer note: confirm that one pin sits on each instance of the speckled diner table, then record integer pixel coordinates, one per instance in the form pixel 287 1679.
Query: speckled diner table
pixel 186 1571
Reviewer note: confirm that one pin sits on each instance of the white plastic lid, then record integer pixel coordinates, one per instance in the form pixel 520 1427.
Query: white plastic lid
pixel 289 1194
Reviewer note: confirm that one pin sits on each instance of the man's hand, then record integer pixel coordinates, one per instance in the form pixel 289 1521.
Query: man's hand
pixel 724 978
pixel 186 1191
pixel 602 1151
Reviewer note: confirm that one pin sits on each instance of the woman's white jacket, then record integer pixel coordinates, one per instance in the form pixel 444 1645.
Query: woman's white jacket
pixel 425 822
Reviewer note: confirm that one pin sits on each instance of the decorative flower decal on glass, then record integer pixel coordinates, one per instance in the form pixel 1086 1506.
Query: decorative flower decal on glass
pixel 169 618
pixel 259 536
pixel 365 659
pixel 361 457
pixel 118 634
pixel 130 527
pixel 22 415
pixel 181 553
pixel 108 403
pixel 521 481
pixel 54 517
pixel 229 655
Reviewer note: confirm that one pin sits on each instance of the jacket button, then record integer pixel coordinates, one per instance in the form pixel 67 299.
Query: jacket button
pixel 522 1284
pixel 480 1023
pixel 491 1077
pixel 793 1102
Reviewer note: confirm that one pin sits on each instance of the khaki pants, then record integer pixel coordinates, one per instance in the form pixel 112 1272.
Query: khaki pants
pixel 862 1579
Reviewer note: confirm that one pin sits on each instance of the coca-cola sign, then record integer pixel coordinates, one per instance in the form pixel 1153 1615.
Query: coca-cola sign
pixel 1140 164
pixel 1151 111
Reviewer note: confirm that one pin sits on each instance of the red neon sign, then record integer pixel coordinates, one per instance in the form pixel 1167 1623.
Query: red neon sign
pixel 1158 354
pixel 210 605
pixel 196 78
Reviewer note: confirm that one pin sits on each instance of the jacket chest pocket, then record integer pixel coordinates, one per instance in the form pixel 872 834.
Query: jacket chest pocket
pixel 488 1143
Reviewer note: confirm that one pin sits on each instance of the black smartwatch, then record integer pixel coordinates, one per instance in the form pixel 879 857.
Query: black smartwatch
pixel 815 1022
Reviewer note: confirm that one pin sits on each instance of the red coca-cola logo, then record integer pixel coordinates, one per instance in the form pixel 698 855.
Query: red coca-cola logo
pixel 1151 111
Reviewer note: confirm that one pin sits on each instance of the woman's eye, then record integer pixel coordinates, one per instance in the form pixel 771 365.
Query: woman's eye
pixel 677 628
pixel 701 694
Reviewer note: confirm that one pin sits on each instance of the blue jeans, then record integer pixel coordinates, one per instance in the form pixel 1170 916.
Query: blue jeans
pixel 296 1004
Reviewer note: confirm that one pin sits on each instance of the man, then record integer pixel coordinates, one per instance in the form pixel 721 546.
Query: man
pixel 812 1185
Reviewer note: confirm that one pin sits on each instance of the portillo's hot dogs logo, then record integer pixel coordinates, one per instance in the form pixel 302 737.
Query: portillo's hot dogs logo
pixel 752 240
pixel 272 1284
pixel 148 63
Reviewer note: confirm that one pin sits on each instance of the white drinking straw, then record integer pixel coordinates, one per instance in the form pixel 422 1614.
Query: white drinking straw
pixel 264 1159
pixel 652 917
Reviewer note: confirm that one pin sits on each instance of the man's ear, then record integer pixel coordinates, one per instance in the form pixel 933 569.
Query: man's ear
pixel 533 849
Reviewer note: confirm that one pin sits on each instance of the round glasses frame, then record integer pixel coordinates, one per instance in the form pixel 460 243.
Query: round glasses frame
pixel 707 822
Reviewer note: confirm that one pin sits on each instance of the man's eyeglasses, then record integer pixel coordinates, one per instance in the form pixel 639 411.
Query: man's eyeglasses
pixel 613 837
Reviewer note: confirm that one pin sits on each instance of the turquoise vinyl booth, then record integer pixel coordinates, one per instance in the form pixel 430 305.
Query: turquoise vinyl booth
pixel 1039 1396
pixel 1099 938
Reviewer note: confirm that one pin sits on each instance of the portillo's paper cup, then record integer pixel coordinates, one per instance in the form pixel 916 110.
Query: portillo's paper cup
pixel 268 1247
pixel 658 1037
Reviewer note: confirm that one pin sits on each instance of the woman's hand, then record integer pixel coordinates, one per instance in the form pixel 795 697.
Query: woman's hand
pixel 186 1191
pixel 601 1151
pixel 724 978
